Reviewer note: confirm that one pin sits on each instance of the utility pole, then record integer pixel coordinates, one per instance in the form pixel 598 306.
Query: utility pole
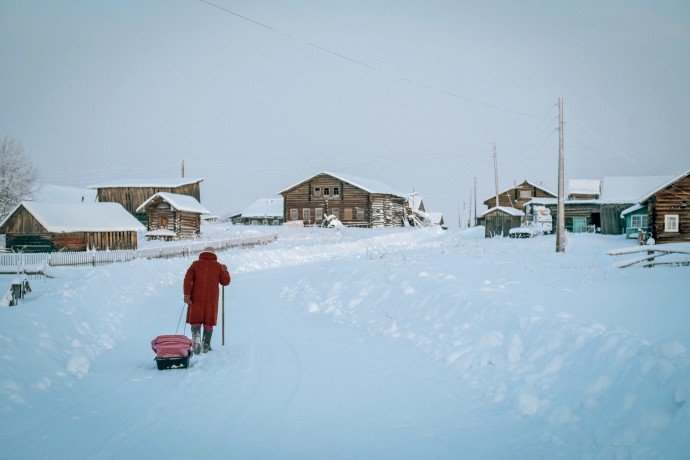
pixel 495 172
pixel 183 167
pixel 560 220
pixel 474 220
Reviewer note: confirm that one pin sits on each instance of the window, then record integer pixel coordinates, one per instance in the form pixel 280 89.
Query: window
pixel 360 213
pixel 336 213
pixel 525 193
pixel 306 214
pixel 318 214
pixel 638 221
pixel 293 214
pixel 326 191
pixel 336 191
pixel 163 223
pixel 317 191
pixel 671 223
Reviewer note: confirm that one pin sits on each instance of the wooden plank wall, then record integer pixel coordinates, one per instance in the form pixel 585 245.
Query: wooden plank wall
pixel 675 199
pixel 511 197
pixel 379 210
pixel 133 197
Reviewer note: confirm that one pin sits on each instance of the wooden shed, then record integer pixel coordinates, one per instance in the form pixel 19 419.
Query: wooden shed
pixel 354 201
pixel 498 221
pixel 132 193
pixel 172 216
pixel 668 210
pixel 47 227
pixel 517 196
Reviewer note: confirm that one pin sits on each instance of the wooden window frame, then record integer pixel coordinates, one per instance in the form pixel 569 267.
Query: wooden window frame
pixel 294 214
pixel 672 223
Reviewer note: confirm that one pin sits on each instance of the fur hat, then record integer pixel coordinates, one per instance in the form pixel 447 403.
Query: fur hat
pixel 209 249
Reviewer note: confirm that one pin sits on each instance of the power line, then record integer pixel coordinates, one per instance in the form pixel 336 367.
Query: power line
pixel 369 66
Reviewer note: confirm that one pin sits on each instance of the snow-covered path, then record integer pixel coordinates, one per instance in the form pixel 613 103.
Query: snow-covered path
pixel 398 345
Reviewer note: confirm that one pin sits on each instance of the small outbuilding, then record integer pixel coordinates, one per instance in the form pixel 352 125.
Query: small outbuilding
pixel 499 220
pixel 34 226
pixel 172 216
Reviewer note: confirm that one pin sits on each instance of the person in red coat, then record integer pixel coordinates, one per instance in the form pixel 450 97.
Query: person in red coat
pixel 201 295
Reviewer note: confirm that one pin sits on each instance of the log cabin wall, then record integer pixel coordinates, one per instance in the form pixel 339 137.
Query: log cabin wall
pixel 162 216
pixel 323 195
pixel 674 200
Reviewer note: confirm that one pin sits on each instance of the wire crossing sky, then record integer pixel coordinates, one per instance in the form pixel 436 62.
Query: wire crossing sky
pixel 412 94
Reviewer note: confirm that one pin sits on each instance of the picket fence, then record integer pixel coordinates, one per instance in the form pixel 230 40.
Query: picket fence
pixel 11 262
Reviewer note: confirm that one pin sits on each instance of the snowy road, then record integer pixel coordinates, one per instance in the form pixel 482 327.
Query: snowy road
pixel 403 346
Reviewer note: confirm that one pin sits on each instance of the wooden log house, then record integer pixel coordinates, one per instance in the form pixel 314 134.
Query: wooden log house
pixel 172 216
pixel 668 210
pixel 48 227
pixel 356 202
pixel 519 195
pixel 132 193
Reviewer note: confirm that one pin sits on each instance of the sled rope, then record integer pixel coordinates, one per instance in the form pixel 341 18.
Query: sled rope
pixel 180 320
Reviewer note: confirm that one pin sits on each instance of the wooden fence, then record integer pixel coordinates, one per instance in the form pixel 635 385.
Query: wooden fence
pixel 672 254
pixel 14 262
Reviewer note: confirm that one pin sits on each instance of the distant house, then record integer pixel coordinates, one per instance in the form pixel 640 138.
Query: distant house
pixel 172 216
pixel 498 221
pixel 47 227
pixel 668 210
pixel 131 193
pixel 264 211
pixel 518 195
pixel 354 201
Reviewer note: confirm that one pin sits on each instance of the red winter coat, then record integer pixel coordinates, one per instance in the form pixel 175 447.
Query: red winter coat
pixel 201 283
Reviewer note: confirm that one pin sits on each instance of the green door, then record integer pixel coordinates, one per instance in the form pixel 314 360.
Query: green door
pixel 579 224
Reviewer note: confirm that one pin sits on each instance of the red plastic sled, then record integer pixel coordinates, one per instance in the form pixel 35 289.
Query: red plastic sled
pixel 172 351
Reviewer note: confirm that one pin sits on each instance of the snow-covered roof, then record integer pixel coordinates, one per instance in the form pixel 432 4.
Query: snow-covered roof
pixel 148 182
pixel 264 207
pixel 629 189
pixel 184 203
pixel 532 184
pixel 80 217
pixel 632 208
pixel 584 186
pixel 368 185
pixel 63 194
pixel 506 209
pixel 663 186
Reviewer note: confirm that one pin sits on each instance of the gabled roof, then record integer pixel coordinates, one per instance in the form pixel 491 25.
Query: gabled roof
pixel 184 203
pixel 663 186
pixel 531 184
pixel 79 217
pixel 368 185
pixel 506 209
pixel 148 182
pixel 264 207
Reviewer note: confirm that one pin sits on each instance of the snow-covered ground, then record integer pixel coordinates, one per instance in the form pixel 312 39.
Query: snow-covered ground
pixel 356 343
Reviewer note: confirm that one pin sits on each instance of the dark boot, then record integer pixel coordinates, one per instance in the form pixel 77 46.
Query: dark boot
pixel 207 340
pixel 196 337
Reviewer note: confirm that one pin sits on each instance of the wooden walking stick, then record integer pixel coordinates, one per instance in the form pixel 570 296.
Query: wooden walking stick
pixel 222 328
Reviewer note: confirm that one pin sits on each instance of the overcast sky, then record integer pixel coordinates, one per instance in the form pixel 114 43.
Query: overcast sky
pixel 258 95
